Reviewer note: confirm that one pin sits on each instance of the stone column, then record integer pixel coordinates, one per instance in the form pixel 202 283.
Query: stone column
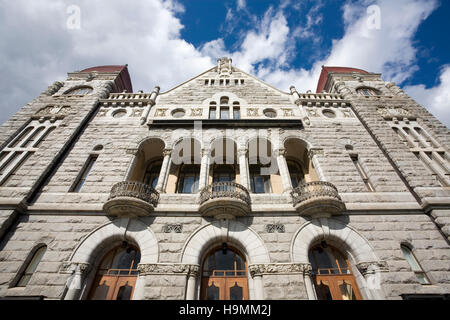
pixel 164 173
pixel 75 283
pixel 371 271
pixel 204 169
pixel 132 166
pixel 138 293
pixel 243 168
pixel 313 155
pixel 307 278
pixel 191 283
pixel 284 170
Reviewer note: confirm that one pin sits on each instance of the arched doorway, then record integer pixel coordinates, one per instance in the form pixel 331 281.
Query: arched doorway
pixel 116 275
pixel 224 275
pixel 332 274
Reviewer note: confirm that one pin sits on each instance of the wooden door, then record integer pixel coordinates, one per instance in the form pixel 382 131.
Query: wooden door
pixel 224 276
pixel 336 288
pixel 113 288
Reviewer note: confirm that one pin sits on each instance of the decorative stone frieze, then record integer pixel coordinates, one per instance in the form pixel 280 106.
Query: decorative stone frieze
pixel 389 113
pixel 71 267
pixel 52 112
pixel 279 268
pixel 252 112
pixel 372 267
pixel 168 268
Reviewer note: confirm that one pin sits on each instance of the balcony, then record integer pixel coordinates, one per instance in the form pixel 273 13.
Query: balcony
pixel 131 199
pixel 317 198
pixel 224 200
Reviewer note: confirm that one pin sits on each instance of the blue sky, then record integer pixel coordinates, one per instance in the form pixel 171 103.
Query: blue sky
pixel 285 42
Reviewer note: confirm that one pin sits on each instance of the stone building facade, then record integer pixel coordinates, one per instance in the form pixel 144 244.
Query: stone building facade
pixel 224 187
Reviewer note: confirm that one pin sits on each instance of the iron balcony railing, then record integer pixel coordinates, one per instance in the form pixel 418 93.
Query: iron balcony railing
pixel 226 189
pixel 312 190
pixel 135 189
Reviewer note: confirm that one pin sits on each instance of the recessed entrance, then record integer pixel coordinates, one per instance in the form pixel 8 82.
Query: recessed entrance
pixel 333 278
pixel 117 274
pixel 224 275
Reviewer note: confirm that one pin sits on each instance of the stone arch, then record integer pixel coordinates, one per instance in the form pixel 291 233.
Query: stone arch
pixel 309 144
pixel 367 268
pixel 118 230
pixel 225 231
pixel 343 237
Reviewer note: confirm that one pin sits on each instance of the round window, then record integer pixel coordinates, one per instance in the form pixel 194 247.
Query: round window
pixel 178 113
pixel 119 114
pixel 270 113
pixel 329 113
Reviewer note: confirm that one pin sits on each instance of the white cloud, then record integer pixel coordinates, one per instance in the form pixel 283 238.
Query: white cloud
pixel 37 48
pixel 436 99
pixel 241 4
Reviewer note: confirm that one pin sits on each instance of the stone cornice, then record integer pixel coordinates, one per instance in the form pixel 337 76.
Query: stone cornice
pixel 71 267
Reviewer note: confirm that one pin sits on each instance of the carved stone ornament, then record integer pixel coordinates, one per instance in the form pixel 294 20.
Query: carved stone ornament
pixel 160 112
pixel 224 67
pixel 279 268
pixel 272 228
pixel 347 113
pixel 252 112
pixel 166 268
pixel 288 112
pixel 312 112
pixel 74 267
pixel 137 112
pixel 372 267
pixel 51 90
pixel 395 112
pixel 196 112
pixel 174 227
pixel 53 111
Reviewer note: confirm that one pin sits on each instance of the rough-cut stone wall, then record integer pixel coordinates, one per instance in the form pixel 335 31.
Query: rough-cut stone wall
pixel 383 219
pixel 384 233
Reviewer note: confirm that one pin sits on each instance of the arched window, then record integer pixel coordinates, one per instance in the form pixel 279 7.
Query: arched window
pixel 224 275
pixel 259 183
pixel 414 264
pixel 152 174
pixel 80 91
pixel 212 110
pixel 188 178
pixel 224 108
pixel 31 267
pixel 368 91
pixel 116 275
pixel 224 173
pixel 296 173
pixel 333 278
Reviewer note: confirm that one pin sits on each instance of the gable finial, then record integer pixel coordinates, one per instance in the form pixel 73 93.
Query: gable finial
pixel 224 66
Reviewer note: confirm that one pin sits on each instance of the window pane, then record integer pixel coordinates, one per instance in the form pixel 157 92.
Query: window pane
pixel 32 266
pixel 346 290
pixel 212 113
pixel 410 258
pixel 224 261
pixel 236 114
pixel 258 184
pixel 224 113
